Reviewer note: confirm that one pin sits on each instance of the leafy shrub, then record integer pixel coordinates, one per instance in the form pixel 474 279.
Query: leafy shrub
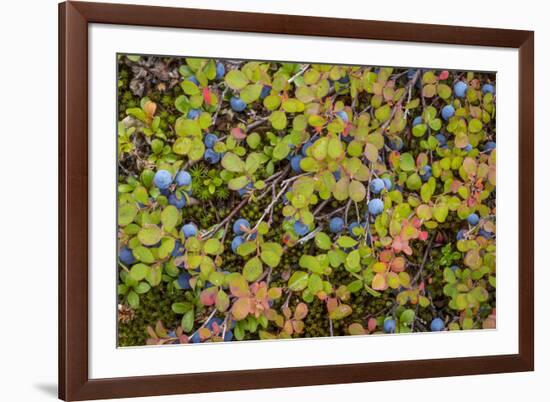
pixel 267 200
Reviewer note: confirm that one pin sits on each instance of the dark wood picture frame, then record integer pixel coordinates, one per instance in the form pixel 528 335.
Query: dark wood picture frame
pixel 74 382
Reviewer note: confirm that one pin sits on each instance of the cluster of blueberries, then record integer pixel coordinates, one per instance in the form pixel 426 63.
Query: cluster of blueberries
pixel 240 228
pixel 436 325
pixel 473 220
pixel 163 180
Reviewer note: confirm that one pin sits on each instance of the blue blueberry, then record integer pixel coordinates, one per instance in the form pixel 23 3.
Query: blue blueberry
pixel 213 320
pixel 454 268
pixel 387 183
pixel 194 80
pixel 179 203
pixel 195 338
pixel 295 163
pixel 437 325
pixel 183 280
pixel 210 140
pixel 489 146
pixel 193 114
pixel 228 336
pixel 305 147
pixel 343 115
pixel 461 234
pixel 126 257
pixel 483 233
pixel 336 224
pixel 468 148
pixel 220 70
pixel 488 88
pixel 473 219
pixel 239 225
pixel 389 325
pixel 427 173
pixel 237 104
pixel 344 79
pixel 447 112
pixel 376 206
pixel 178 250
pixel 410 73
pixel 163 179
pixel 396 144
pixel 266 89
pixel 237 241
pixel 242 192
pixel 300 228
pixel 441 139
pixel 417 120
pixel 460 89
pixel 183 178
pixel 337 174
pixel 211 156
pixel 189 230
pixel 377 185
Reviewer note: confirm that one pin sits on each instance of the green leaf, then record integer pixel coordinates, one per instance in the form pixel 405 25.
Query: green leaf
pixel 236 79
pixel 357 191
pixel 323 241
pixel 311 263
pixel 213 247
pixel 190 88
pixel 186 127
pixel 353 261
pixel 346 241
pixel 278 120
pixel 133 299
pixel 170 217
pixel 281 151
pixel 143 254
pixel 419 130
pixel 335 148
pixel 127 214
pixel 222 301
pixel 251 93
pixel 315 283
pixel 383 113
pixel 440 212
pixel 188 320
pixel 270 258
pixel 139 271
pixel 181 308
pixel 406 162
pixel 253 269
pixel 150 235
pixel 166 247
pixel 238 183
pixel 233 163
pixel 407 317
pixel 253 140
pixel 298 281
pixel 246 248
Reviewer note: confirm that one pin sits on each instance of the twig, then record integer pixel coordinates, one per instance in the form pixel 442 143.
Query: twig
pixel 204 324
pixel 424 259
pixel 330 326
pixel 210 232
pixel 410 84
pixel 303 70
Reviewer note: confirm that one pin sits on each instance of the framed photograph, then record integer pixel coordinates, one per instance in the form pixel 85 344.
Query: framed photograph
pixel 259 200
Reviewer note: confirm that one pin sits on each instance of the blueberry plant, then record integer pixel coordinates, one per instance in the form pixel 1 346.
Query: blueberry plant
pixel 268 200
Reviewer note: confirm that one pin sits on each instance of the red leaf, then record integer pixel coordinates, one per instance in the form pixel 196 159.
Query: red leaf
pixel 444 75
pixel 238 133
pixel 372 324
pixel 206 95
